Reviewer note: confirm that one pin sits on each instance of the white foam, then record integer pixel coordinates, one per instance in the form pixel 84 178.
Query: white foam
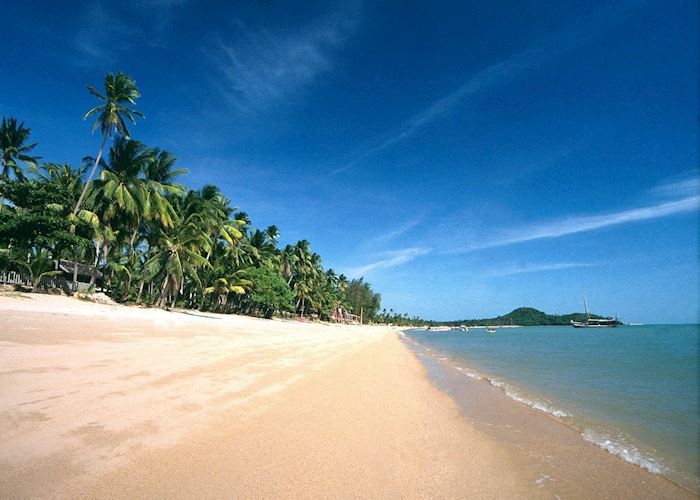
pixel 538 405
pixel 625 451
pixel 532 403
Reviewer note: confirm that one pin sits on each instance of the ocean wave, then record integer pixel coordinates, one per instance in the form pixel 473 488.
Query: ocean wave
pixel 617 445
pixel 469 373
pixel 532 403
pixel 626 451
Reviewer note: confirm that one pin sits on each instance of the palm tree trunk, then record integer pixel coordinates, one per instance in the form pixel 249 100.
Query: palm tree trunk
pixel 138 297
pixel 133 238
pixel 164 293
pixel 92 173
pixel 94 265
pixel 105 251
pixel 75 270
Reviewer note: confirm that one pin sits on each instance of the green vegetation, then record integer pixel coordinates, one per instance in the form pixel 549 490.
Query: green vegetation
pixel 525 316
pixel 158 243
pixel 154 241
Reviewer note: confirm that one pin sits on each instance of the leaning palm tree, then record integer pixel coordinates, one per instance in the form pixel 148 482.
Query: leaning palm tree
pixel 120 89
pixel 13 148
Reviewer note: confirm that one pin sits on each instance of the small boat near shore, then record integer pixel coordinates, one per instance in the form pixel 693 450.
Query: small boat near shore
pixel 490 329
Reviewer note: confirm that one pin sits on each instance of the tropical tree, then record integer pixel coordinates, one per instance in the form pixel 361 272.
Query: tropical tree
pixel 178 258
pixel 14 149
pixel 141 226
pixel 111 115
pixel 269 293
pixel 222 287
pixel 160 174
pixel 121 194
pixel 38 265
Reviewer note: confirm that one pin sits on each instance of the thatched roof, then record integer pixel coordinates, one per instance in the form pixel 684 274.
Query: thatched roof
pixel 68 266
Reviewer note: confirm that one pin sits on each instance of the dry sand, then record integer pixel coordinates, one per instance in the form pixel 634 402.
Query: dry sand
pixel 122 402
pixel 110 401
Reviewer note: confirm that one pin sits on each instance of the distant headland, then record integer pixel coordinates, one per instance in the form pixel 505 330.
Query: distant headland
pixel 523 316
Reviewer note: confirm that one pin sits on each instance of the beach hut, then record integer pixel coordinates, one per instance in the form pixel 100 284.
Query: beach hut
pixel 83 275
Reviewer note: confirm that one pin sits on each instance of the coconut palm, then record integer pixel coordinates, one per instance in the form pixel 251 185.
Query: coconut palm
pixel 288 263
pixel 14 149
pixel 38 265
pixel 178 257
pixel 120 91
pixel 160 183
pixel 120 195
pixel 222 287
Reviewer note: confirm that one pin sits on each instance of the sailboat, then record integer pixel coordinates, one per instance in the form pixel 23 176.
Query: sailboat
pixel 595 323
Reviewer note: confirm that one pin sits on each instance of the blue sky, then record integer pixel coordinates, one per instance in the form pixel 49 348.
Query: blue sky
pixel 467 158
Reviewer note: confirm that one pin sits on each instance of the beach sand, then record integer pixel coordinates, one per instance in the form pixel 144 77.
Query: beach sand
pixel 123 402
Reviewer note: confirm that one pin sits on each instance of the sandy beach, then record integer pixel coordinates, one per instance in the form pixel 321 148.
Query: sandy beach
pixel 122 402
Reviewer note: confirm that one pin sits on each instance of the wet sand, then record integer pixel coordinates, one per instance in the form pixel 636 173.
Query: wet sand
pixel 566 465
pixel 104 401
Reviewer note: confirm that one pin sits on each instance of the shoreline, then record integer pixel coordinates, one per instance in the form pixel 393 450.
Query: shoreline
pixel 497 409
pixel 104 401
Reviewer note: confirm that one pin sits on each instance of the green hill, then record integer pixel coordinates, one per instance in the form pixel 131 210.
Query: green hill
pixel 526 316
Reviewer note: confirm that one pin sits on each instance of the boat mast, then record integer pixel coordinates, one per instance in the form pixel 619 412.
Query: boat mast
pixel 585 306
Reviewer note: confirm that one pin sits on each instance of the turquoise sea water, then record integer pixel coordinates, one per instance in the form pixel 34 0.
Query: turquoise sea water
pixel 633 390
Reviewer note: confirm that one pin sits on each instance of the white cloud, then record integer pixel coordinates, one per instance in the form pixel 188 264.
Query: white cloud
pixel 109 29
pixel 583 223
pixel 261 66
pixel 510 270
pixel 392 259
pixel 684 187
pixel 392 233
pixel 497 74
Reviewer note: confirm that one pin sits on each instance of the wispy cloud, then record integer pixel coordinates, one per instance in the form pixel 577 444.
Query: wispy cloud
pixel 391 259
pixel 98 28
pixel 499 73
pixel 583 223
pixel 392 233
pixel 686 186
pixel 260 67
pixel 107 29
pixel 510 270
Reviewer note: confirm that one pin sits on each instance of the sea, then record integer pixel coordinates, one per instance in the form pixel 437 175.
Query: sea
pixel 632 390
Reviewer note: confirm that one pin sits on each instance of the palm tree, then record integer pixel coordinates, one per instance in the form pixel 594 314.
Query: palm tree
pixel 160 183
pixel 273 234
pixel 120 89
pixel 235 283
pixel 38 264
pixel 13 148
pixel 178 257
pixel 68 181
pixel 120 195
pixel 288 263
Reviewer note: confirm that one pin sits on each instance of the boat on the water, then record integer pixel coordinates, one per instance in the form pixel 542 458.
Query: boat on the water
pixel 593 322
pixel 490 329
